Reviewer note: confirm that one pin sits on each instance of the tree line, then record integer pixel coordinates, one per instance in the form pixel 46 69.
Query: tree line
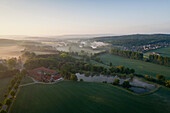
pixel 129 54
pixel 12 89
pixel 135 40
pixel 159 79
pixel 159 60
pixel 139 56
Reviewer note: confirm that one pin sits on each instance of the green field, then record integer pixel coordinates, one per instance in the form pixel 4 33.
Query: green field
pixel 162 51
pixel 140 67
pixel 27 80
pixel 83 97
pixel 4 83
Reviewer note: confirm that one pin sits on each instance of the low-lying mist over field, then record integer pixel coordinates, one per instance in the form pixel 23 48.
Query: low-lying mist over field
pixel 10 51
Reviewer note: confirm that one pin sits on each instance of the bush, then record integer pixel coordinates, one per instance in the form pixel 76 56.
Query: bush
pixel 9 88
pixel 12 93
pixel 116 82
pixel 73 77
pixel 16 86
pixel 126 84
pixel 81 80
pixel 1 104
pixel 160 78
pixel 3 111
pixel 167 83
pixel 8 101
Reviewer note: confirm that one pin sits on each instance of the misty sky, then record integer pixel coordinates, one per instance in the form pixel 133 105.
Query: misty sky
pixel 62 17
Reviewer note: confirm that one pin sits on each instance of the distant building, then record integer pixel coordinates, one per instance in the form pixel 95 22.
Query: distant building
pixel 155 53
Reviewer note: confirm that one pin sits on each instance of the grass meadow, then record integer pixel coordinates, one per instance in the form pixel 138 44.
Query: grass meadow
pixel 84 97
pixel 140 67
pixel 27 80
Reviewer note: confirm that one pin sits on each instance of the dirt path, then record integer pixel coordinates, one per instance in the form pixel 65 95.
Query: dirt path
pixel 27 84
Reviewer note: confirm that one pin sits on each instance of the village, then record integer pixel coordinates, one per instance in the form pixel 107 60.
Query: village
pixel 146 48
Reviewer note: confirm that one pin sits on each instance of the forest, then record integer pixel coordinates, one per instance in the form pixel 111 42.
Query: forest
pixel 129 54
pixel 135 40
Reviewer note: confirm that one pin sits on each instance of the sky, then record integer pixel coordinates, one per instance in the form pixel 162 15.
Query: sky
pixel 66 17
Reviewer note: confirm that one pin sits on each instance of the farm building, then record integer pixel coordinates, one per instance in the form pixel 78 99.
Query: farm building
pixel 43 74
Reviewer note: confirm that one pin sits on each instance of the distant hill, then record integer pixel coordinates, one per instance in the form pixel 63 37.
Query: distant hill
pixel 135 40
pixel 133 36
pixel 8 42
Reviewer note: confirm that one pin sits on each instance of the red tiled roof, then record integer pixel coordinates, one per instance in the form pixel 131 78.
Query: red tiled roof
pixel 56 77
pixel 48 77
pixel 38 79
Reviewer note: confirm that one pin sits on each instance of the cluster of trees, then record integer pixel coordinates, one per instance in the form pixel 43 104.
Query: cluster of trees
pixel 135 55
pixel 160 79
pixel 28 54
pixel 68 65
pixel 14 84
pixel 121 69
pixel 129 54
pixel 35 46
pixel 125 84
pixel 12 63
pixel 3 67
pixel 159 60
pixel 63 62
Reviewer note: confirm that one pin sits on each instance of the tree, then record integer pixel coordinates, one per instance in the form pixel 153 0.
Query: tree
pixel 8 101
pixel 81 80
pixel 121 68
pixel 87 59
pixel 132 71
pixel 167 83
pixel 3 67
pixel 12 62
pixel 16 86
pixel 147 77
pixel 131 75
pixel 1 104
pixel 3 111
pixel 126 84
pixel 12 93
pixel 9 88
pixel 24 72
pixel 116 82
pixel 160 78
pixel 63 55
pixel 73 77
pixel 110 63
pixel 29 55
